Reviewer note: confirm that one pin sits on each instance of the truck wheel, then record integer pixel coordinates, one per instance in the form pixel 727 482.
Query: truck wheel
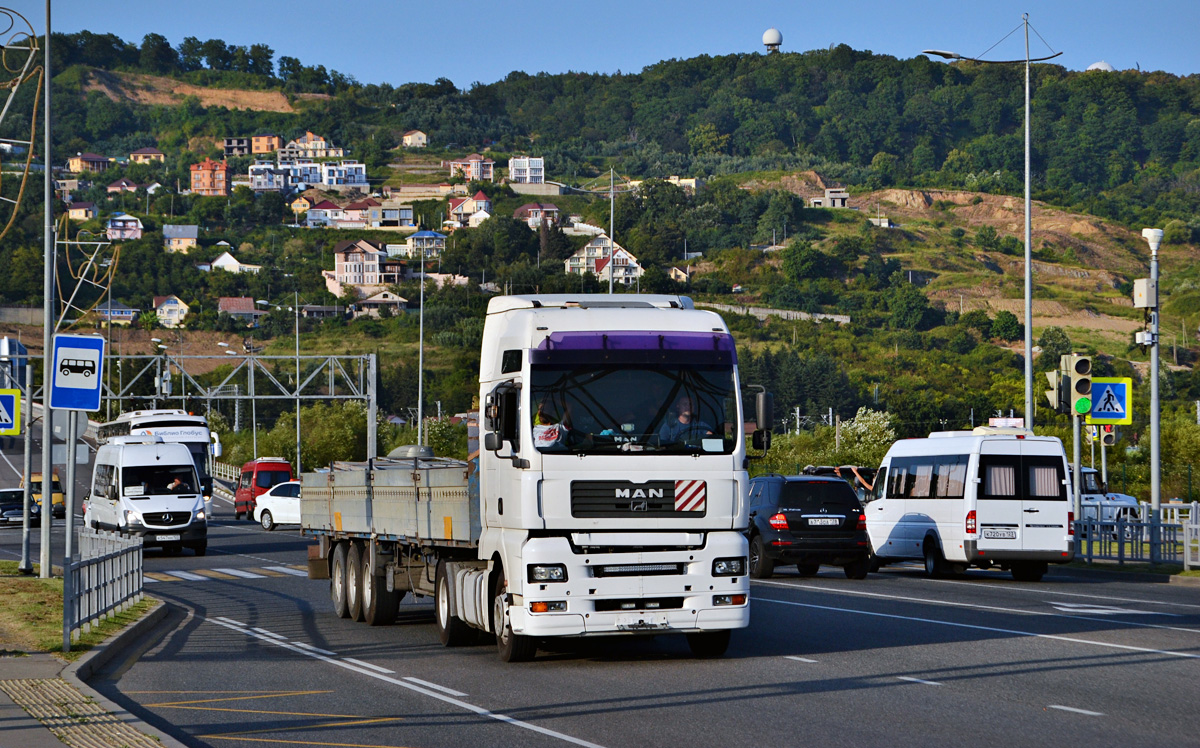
pixel 379 606
pixel 354 582
pixel 511 647
pixel 451 629
pixel 1029 571
pixel 337 581
pixel 708 644
pixel 266 520
pixel 761 567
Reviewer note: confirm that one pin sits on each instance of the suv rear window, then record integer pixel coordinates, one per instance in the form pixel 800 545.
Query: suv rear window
pixel 812 495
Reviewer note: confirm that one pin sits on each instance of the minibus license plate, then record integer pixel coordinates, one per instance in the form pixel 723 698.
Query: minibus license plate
pixel 168 537
pixel 824 521
pixel 1000 534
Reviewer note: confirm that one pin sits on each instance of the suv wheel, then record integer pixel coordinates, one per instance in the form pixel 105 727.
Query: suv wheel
pixel 858 569
pixel 761 567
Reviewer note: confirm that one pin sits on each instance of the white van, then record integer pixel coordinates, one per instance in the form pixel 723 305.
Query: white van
pixel 987 497
pixel 144 486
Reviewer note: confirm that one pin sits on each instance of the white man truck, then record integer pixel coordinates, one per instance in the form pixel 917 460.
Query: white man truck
pixel 609 495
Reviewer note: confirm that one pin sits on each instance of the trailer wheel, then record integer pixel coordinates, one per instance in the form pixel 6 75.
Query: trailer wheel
pixel 354 582
pixel 379 606
pixel 511 647
pixel 337 581
pixel 451 629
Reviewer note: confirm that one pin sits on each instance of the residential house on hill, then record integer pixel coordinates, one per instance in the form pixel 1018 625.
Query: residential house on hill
pixel 534 214
pixel 363 266
pixel 241 308
pixel 462 208
pixel 678 275
pixel 324 213
pixel 527 170
pixel 414 139
pixel 81 211
pixel 147 156
pixel 426 244
pixel 834 198
pixel 267 177
pixel 593 258
pixel 370 306
pixel 260 144
pixel 230 264
pixel 210 178
pixel 357 214
pixel 122 185
pixel 473 168
pixel 180 238
pixel 391 214
pixel 301 204
pixel 311 146
pixel 124 226
pixel 236 147
pixel 170 310
pixel 87 162
pixel 116 313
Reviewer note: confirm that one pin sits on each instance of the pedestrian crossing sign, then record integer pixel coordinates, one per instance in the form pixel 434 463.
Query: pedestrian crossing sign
pixel 10 412
pixel 1111 401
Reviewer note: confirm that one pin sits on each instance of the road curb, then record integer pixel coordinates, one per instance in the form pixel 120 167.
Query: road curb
pixel 1128 576
pixel 78 673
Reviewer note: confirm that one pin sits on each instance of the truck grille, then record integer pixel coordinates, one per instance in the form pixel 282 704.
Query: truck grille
pixel 635 603
pixel 622 498
pixel 636 570
pixel 166 519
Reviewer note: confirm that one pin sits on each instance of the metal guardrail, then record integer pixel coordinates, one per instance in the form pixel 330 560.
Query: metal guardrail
pixel 1131 542
pixel 225 471
pixel 105 580
pixel 1191 544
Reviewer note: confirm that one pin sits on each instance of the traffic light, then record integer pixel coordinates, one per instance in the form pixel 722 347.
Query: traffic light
pixel 1055 390
pixel 1108 435
pixel 1080 370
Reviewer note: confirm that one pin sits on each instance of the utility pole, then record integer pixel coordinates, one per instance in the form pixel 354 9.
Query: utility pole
pixel 48 320
pixel 612 214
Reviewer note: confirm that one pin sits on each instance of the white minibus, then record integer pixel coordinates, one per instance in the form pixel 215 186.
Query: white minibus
pixel 991 497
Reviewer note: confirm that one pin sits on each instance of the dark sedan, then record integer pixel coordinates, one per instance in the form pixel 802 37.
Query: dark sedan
pixel 10 508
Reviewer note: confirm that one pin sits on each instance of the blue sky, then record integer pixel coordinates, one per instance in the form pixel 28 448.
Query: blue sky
pixel 467 41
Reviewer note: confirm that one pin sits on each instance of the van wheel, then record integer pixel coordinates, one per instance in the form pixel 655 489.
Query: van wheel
pixel 354 582
pixel 451 630
pixel 174 549
pixel 761 567
pixel 337 581
pixel 935 565
pixel 201 549
pixel 238 515
pixel 511 647
pixel 1029 571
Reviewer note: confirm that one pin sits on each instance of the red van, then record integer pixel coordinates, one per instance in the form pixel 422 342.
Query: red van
pixel 257 478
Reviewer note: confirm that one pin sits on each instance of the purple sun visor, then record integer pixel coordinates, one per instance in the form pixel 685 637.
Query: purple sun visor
pixel 636 347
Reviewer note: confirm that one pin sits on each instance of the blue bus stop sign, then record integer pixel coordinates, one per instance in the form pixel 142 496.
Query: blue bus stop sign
pixel 78 372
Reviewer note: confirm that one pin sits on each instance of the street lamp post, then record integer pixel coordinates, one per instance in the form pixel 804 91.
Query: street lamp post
pixel 1028 213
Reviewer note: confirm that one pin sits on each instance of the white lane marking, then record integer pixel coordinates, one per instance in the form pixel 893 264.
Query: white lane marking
pixel 991 629
pixel 148 580
pixel 229 620
pixel 244 555
pixel 974 606
pixel 271 634
pixel 434 686
pixel 1077 711
pixel 187 575
pixel 918 680
pixel 240 573
pixel 318 650
pixel 368 665
pixel 798 659
pixel 287 570
pixel 411 686
pixel 1011 588
pixel 1105 610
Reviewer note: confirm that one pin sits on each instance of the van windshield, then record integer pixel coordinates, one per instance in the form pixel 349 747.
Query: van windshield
pixel 139 480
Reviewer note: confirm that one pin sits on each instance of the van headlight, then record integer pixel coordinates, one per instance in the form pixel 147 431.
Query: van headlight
pixel 132 516
pixel 200 514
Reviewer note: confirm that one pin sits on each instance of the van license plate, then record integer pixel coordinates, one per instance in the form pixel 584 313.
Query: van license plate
pixel 824 521
pixel 167 537
pixel 1000 534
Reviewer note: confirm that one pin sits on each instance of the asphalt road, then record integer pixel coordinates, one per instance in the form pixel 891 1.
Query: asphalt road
pixel 253 656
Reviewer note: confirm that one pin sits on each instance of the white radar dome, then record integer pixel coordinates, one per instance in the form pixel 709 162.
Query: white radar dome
pixel 1102 65
pixel 772 39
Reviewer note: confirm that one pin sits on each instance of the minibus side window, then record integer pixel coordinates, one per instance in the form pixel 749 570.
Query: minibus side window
pixel 999 474
pixel 1044 476
pixel 951 476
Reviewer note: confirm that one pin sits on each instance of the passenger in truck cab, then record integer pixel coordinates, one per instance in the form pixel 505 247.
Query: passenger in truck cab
pixel 683 424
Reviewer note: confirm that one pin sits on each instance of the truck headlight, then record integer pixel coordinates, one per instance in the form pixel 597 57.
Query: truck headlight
pixel 547 573
pixel 729 567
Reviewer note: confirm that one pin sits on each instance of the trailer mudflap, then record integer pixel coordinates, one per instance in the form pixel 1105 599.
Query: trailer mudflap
pixel 318 565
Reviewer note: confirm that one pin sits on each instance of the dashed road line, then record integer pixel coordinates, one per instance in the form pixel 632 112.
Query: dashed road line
pixel 1060 707
pixel 288 570
pixel 434 686
pixel 230 620
pixel 318 650
pixel 798 659
pixel 271 634
pixel 368 665
pixel 918 680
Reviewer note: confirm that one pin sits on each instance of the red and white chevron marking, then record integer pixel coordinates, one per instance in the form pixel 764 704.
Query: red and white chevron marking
pixel 690 495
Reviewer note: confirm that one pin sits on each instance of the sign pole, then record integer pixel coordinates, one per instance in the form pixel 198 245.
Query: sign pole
pixel 26 566
pixel 69 531
pixel 49 318
pixel 1104 464
pixel 1075 420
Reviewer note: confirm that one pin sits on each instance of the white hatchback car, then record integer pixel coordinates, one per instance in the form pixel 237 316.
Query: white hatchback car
pixel 280 505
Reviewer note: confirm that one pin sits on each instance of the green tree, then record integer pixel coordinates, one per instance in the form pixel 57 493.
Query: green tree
pixel 1007 327
pixel 1054 343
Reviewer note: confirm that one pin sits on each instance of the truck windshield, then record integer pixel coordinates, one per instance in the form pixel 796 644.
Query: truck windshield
pixel 141 480
pixel 597 409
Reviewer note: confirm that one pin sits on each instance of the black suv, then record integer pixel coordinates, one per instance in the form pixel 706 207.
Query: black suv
pixel 807 521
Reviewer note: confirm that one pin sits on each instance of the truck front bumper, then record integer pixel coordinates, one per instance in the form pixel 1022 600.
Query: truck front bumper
pixel 605 594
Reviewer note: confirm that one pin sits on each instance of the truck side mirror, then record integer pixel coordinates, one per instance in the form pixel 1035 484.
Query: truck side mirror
pixel 764 408
pixel 216 449
pixel 501 415
pixel 761 439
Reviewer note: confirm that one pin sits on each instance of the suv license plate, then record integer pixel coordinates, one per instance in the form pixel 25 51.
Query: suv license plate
pixel 824 521
pixel 167 537
pixel 1000 534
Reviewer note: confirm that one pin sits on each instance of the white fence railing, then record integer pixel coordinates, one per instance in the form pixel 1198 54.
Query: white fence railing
pixel 105 580
pixel 225 471
pixel 1191 543
pixel 1131 542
